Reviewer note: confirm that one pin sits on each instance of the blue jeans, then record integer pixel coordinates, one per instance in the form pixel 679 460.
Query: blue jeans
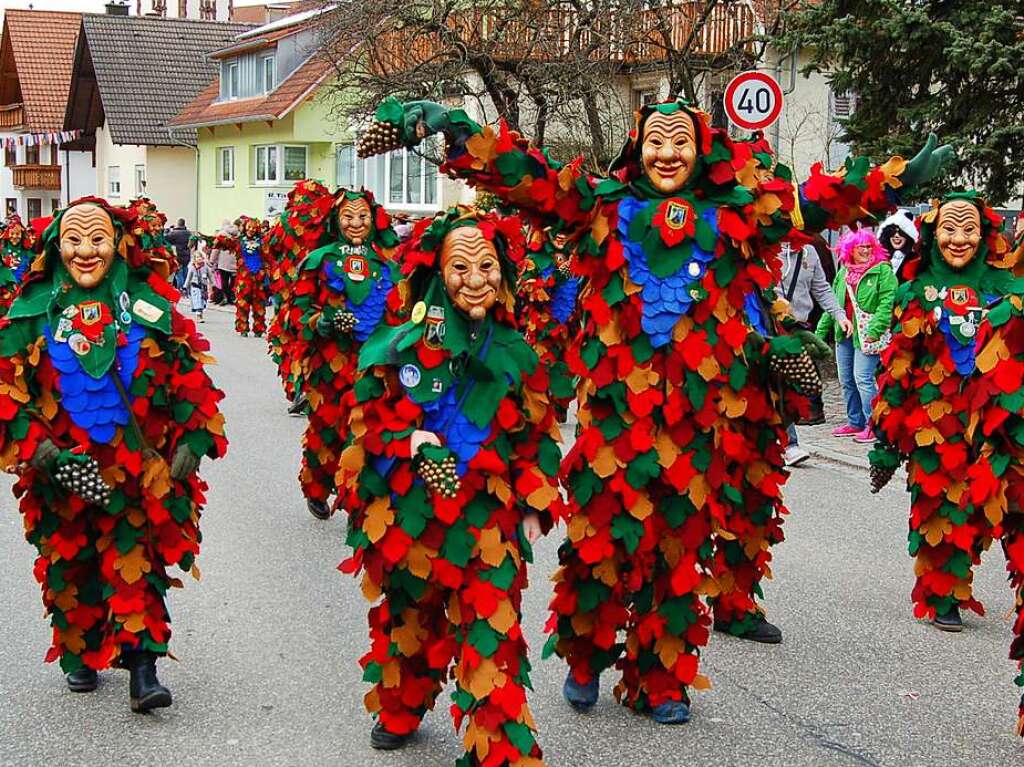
pixel 793 439
pixel 857 379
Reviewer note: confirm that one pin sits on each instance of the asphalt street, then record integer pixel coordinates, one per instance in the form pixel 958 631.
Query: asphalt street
pixel 267 643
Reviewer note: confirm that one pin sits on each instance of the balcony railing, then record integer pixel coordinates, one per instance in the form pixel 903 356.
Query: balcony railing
pixel 12 116
pixel 37 177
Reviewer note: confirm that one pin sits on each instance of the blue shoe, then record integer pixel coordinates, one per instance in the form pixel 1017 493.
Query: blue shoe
pixel 671 712
pixel 581 697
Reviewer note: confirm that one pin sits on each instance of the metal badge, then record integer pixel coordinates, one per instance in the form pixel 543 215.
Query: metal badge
pixel 419 312
pixel 79 344
pixel 410 376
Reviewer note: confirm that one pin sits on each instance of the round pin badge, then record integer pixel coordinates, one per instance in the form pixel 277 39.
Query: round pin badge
pixel 410 376
pixel 419 312
pixel 79 344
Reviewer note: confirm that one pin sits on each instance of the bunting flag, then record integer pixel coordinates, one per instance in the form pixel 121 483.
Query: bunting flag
pixel 54 138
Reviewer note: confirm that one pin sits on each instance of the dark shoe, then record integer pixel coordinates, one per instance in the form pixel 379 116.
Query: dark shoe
pixel 815 418
pixel 949 621
pixel 581 697
pixel 762 631
pixel 671 712
pixel 382 740
pixel 83 680
pixel 145 690
pixel 318 509
pixel 298 407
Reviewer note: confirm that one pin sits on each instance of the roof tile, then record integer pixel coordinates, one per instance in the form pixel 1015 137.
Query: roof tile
pixel 45 79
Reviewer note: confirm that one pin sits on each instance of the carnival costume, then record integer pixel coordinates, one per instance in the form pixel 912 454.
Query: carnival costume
pixel 301 229
pixel 250 285
pixel 547 294
pixel 676 472
pixel 338 299
pixel 440 526
pixel 17 250
pixel 951 404
pixel 105 412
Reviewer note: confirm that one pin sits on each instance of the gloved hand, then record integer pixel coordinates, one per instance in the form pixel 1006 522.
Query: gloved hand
pixel 45 456
pixel 928 163
pixel 184 463
pixel 396 125
pixel 813 345
pixel 325 325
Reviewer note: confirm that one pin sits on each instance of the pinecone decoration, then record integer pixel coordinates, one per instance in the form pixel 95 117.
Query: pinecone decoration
pixel 345 322
pixel 379 138
pixel 798 369
pixel 880 476
pixel 441 476
pixel 82 478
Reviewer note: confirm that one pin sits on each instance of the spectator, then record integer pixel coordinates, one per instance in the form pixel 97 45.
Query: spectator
pixel 865 286
pixel 898 235
pixel 403 226
pixel 179 237
pixel 803 284
pixel 197 281
pixel 227 265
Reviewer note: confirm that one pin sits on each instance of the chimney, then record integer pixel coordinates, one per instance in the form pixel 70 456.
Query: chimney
pixel 115 8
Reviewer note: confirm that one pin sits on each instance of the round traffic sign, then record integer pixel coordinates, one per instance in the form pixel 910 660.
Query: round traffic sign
pixel 753 100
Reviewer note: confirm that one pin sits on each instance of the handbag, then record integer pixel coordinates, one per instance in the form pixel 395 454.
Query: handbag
pixel 863 320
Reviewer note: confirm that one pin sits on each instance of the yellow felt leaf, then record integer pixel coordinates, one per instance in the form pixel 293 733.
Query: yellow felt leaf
pixel 370 588
pixel 135 623
pixel 417 559
pixel 543 496
pixel 642 507
pixel 504 618
pixel 378 517
pixel 668 648
pixel 732 404
pixel 927 436
pixel 353 458
pixel 937 409
pixel 482 680
pixel 937 374
pixel 698 491
pixel 391 673
pixel 911 327
pixel 701 682
pixel 483 146
pixel 72 639
pixel 992 353
pixel 606 572
pixel 156 477
pixel 604 463
pixel 899 366
pixel 995 509
pixel 132 565
pixel 409 636
pixel 491 547
pixel 935 528
pixel 498 487
pixel 709 368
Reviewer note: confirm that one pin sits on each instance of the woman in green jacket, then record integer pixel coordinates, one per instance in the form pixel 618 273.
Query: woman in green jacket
pixel 864 285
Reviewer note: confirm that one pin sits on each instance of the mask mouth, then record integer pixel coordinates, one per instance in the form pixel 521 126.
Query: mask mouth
pixel 959 252
pixel 668 169
pixel 87 264
pixel 477 297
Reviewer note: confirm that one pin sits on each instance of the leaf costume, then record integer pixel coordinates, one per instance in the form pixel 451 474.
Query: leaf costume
pixel 449 571
pixel 951 403
pixel 17 251
pixel 114 374
pixel 301 229
pixel 250 283
pixel 548 296
pixel 337 278
pixel 675 478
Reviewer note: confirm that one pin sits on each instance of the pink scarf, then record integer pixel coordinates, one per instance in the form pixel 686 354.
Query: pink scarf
pixel 854 272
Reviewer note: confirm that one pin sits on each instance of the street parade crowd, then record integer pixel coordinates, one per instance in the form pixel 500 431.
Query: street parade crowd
pixel 678 304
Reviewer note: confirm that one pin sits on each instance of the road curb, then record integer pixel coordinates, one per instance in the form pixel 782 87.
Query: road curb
pixel 836 456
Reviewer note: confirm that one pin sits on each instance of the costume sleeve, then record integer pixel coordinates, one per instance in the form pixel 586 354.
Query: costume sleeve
pixel 24 413
pixel 504 163
pixel 897 413
pixel 881 320
pixel 536 456
pixel 306 306
pixel 856 192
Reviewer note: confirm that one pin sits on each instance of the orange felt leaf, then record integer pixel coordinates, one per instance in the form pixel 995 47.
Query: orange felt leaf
pixel 542 497
pixel 409 636
pixel 701 682
pixel 492 548
pixel 698 491
pixel 391 673
pixel 132 565
pixel 709 368
pixel 67 599
pixel 995 509
pixel 668 648
pixel 370 588
pixel 992 353
pixel 731 404
pixel 379 517
pixel 480 681
pixel 609 334
pixel 135 623
pixel 667 449
pixel 72 639
pixel 642 507
pixel 417 559
pixel 156 477
pixel 606 572
pixel 928 436
pixel 215 425
pixel 583 623
pixel 478 740
pixel 935 528
pixel 504 618
pixel 604 463
pixel 498 487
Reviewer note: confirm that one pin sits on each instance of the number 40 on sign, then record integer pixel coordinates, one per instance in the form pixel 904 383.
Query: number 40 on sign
pixel 753 100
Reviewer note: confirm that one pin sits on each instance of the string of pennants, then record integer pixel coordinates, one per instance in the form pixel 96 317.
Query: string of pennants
pixel 38 139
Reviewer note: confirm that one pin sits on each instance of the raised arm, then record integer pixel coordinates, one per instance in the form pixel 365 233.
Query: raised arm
pixel 501 161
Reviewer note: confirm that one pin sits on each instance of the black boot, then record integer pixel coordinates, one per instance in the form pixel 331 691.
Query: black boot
pixel 298 407
pixel 761 631
pixel 382 740
pixel 83 680
pixel 144 688
pixel 949 620
pixel 318 509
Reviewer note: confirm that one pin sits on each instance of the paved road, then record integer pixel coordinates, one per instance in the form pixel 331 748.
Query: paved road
pixel 268 642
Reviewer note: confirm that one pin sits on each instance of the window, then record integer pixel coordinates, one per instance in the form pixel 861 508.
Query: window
pixel 54 206
pixel 35 207
pixel 140 180
pixel 11 205
pixel 114 180
pixel 226 166
pixel 10 156
pixel 842 105
pixel 294 163
pixel 54 155
pixel 32 155
pixel 266 165
pixel 642 98
pixel 399 179
pixel 268 72
pixel 234 80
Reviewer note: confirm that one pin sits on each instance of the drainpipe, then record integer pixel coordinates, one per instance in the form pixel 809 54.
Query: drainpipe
pixel 777 128
pixel 195 149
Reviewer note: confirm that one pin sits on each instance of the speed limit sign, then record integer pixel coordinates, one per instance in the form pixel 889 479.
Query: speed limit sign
pixel 753 100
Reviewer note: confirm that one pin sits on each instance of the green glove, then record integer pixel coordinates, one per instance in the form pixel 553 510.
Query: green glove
pixel 813 345
pixel 45 456
pixel 184 464
pixel 396 125
pixel 325 324
pixel 928 163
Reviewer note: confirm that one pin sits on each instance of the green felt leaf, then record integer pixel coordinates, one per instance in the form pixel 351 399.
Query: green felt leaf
pixel 520 736
pixel 642 349
pixel 1000 462
pixel 125 536
pixel 585 483
pixel 611 427
pixel 738 374
pixel 591 594
pixel 629 530
pixel 484 638
pixel 591 353
pixel 549 647
pixel 458 544
pixel 677 614
pixel 373 673
pixel 501 576
pixel 643 469
pixel 725 269
pixel 613 292
pixel 549 457
pixel 676 509
pixel 1000 314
